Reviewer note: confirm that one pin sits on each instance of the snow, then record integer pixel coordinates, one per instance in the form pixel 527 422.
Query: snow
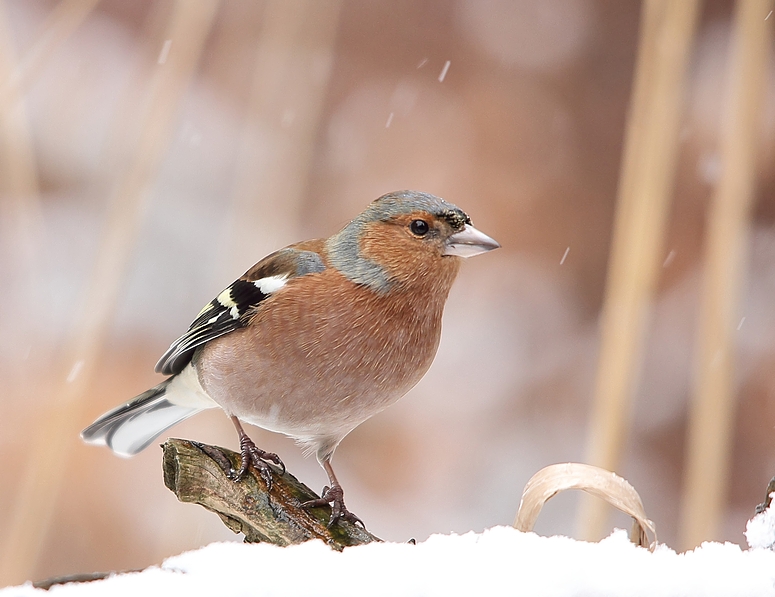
pixel 760 530
pixel 499 560
pixel 444 70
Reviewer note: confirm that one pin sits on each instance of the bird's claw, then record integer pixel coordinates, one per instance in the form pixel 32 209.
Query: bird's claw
pixel 271 456
pixel 251 454
pixel 335 497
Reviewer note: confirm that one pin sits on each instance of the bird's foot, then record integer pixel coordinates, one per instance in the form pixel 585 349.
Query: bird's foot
pixel 251 454
pixel 335 496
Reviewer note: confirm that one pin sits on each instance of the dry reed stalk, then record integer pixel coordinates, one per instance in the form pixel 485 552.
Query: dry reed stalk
pixel 645 185
pixel 52 441
pixel 293 64
pixel 712 412
pixel 20 214
pixel 63 20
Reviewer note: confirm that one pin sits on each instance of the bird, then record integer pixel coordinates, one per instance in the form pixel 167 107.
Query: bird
pixel 314 339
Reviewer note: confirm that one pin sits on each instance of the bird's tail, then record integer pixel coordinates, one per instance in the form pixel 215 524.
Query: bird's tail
pixel 129 428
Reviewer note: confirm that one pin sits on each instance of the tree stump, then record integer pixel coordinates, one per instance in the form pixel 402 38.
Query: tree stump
pixel 202 474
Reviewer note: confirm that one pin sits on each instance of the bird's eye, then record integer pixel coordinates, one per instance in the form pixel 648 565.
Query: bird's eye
pixel 419 227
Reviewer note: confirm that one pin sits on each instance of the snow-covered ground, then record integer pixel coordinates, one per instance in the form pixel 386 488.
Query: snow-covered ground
pixel 499 561
pixel 760 530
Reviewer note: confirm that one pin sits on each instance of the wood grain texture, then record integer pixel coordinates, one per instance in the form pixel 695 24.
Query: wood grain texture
pixel 200 474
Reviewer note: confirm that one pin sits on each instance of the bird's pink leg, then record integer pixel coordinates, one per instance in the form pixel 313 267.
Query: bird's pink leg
pixel 251 454
pixel 334 495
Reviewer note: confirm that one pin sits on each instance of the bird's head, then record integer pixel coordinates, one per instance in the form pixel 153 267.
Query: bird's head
pixel 404 238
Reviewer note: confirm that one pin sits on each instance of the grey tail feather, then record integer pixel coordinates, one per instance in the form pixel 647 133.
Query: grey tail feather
pixel 131 427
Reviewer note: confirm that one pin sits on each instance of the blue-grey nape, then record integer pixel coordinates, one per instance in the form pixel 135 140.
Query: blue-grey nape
pixel 307 262
pixel 344 253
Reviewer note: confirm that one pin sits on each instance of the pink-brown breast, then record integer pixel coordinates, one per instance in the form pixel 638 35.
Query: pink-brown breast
pixel 325 354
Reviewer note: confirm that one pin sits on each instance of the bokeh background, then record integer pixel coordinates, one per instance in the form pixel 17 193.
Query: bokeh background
pixel 153 150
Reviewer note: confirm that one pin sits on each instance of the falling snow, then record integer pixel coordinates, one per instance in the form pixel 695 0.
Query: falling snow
pixel 74 371
pixel 444 71
pixel 165 51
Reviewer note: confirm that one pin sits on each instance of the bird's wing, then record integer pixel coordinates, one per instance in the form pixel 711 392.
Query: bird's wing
pixel 227 312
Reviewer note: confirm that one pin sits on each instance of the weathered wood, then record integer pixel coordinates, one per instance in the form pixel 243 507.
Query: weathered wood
pixel 77 578
pixel 202 474
pixel 767 498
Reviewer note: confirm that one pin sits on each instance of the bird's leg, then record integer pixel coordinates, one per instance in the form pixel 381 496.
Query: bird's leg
pixel 251 454
pixel 333 495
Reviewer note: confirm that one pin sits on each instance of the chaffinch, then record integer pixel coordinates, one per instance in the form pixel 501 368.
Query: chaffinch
pixel 314 339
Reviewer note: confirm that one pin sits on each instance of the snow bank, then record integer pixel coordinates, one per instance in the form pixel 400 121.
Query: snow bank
pixel 500 560
pixel 760 530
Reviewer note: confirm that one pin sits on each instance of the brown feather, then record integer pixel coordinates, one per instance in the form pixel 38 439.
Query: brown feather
pixel 327 353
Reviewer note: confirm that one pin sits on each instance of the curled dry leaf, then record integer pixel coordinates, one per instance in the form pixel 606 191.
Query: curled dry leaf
pixel 551 480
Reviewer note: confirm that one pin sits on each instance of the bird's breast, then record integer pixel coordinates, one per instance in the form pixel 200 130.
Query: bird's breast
pixel 322 356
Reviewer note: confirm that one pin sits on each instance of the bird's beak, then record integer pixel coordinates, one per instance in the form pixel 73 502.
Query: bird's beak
pixel 469 242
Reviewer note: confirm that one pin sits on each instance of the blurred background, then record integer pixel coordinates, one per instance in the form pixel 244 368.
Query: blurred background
pixel 151 151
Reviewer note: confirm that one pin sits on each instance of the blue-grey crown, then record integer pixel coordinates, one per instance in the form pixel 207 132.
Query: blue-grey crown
pixel 343 247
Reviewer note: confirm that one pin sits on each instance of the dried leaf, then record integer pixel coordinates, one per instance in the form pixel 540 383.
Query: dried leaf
pixel 551 480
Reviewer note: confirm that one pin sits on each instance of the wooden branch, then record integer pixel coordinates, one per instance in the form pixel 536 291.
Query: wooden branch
pixel 767 498
pixel 202 474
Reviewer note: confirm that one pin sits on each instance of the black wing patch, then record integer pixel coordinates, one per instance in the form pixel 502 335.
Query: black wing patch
pixel 227 311
pixel 221 316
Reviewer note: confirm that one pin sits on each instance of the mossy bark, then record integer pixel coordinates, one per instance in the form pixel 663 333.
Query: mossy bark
pixel 202 474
